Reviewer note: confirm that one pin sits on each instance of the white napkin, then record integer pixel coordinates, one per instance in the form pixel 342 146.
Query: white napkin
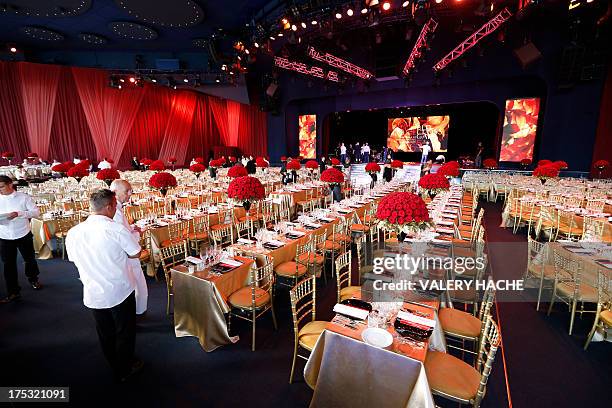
pixel 353 312
pixel 161 223
pixel 193 260
pixel 412 318
pixel 449 223
pixel 231 262
pixel 313 225
pixel 275 243
pixel 297 233
pixel 245 241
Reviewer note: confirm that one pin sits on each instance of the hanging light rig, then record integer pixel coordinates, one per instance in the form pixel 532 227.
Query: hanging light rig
pixel 420 43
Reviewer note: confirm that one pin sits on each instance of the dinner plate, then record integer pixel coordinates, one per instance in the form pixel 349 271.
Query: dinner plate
pixel 377 337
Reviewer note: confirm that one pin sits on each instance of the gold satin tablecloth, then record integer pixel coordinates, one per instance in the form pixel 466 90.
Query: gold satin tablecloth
pixel 200 302
pixel 590 268
pixel 345 372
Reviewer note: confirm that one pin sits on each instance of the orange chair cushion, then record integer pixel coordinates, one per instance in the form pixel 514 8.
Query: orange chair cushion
pixel 329 245
pixel 451 376
pixel 198 235
pixel 311 257
pixel 349 292
pixel 243 298
pixel 289 269
pixel 606 317
pixel 219 226
pixel 458 322
pixel 309 334
pixel 360 228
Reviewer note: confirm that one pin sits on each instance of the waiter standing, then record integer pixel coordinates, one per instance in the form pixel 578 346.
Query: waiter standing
pixel 123 192
pixel 16 209
pixel 101 250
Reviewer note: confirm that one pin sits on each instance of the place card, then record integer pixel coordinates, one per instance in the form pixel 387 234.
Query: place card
pixel 350 311
pixel 412 318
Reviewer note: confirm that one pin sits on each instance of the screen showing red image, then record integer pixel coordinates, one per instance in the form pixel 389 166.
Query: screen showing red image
pixel 308 136
pixel 520 125
pixel 409 134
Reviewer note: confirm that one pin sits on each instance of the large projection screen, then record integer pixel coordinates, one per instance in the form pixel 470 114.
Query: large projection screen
pixel 520 126
pixel 408 134
pixel 308 136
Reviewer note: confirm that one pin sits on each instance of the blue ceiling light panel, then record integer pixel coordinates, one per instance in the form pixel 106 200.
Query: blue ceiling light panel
pixel 174 14
pixel 41 33
pixel 45 8
pixel 132 31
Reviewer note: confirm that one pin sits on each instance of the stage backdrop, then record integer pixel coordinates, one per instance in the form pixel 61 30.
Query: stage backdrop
pixel 58 112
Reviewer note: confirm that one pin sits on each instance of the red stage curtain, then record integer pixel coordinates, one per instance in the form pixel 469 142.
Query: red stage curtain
pixel 178 130
pixel 110 112
pixel 233 122
pixel 13 130
pixel 603 138
pixel 218 108
pixel 38 93
pixel 252 133
pixel 204 132
pixel 70 134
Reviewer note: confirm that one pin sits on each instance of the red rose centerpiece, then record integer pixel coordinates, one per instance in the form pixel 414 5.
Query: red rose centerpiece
pixel 261 162
pixel 8 156
pixel 490 164
pixel 107 175
pixel 560 164
pixel 544 162
pixel 335 162
pixel 32 155
pixel 312 164
pixel 546 172
pixel 199 160
pixel 450 169
pixel 77 172
pixel 197 168
pixel 601 165
pixel 172 160
pixel 146 163
pixel 246 189
pixel 525 163
pixel 334 178
pixel 61 168
pixel 397 164
pixel 162 181
pixel 216 163
pixel 372 167
pixel 403 213
pixel 433 183
pixel 237 171
pixel 294 165
pixel 157 165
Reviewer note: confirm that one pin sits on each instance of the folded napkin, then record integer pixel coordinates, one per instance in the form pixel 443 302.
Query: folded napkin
pixel 448 223
pixel 230 262
pixel 344 210
pixel 161 223
pixel 350 311
pixel 275 243
pixel 605 263
pixel 326 219
pixel 245 241
pixel 193 260
pixel 411 318
pixel 313 225
pixel 296 233
pixel 445 230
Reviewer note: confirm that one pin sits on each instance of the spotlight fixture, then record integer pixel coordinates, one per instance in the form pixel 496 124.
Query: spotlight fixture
pixel 218 79
pixel 338 15
pixel 132 80
pixel 223 67
pixel 386 5
pixel 272 38
pixel 405 4
pixel 185 79
pixel 373 3
pixel 314 22
pixel 280 34
pixel 364 10
pixel 154 80
pixel 121 80
pixel 438 1
pixel 349 12
pixel 294 27
pixel 13 49
pixel 303 24
pixel 256 44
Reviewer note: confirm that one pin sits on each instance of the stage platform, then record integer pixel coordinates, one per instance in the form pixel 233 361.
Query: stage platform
pixel 410 172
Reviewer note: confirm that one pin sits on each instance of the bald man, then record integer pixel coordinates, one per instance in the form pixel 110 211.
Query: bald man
pixel 123 192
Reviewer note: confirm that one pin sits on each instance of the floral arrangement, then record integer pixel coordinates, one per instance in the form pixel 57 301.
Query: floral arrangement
pixel 403 212
pixel 77 172
pixel 335 162
pixel 246 188
pixel 237 171
pixel 161 181
pixel 283 158
pixel 260 162
pixel 544 162
pixel 490 163
pixel 601 164
pixel 157 165
pixel 61 168
pixel 294 165
pixel 70 165
pixel 544 172
pixel 172 160
pixel 450 169
pixel 560 164
pixel 32 155
pixel 372 167
pixel 312 164
pixel 434 183
pixel 217 163
pixel 526 162
pixel 111 161
pixel 108 175
pixel 8 155
pixel 197 168
pixel 146 162
pixel 199 160
pixel 332 175
pixel 397 164
pixel 85 164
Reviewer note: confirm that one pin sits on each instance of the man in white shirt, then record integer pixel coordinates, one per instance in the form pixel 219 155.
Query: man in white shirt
pixel 104 164
pixel 101 250
pixel 123 191
pixel 425 149
pixel 342 153
pixel 366 153
pixel 76 160
pixel 16 209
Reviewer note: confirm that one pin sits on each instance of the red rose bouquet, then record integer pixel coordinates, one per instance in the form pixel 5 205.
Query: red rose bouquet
pixel 260 162
pixel 146 162
pixel 450 169
pixel 372 167
pixel 601 164
pixel 434 183
pixel 332 176
pixel 294 165
pixel 403 213
pixel 246 188
pixel 172 160
pixel 61 168
pixel 83 164
pixel 397 164
pixel 546 172
pixel 107 175
pixel 237 171
pixel 560 164
pixel 70 165
pixel 32 155
pixel 544 162
pixel 77 172
pixel 312 164
pixel 197 168
pixel 217 163
pixel 335 162
pixel 157 165
pixel 8 155
pixel 490 163
pixel 199 160
pixel 162 181
pixel 283 158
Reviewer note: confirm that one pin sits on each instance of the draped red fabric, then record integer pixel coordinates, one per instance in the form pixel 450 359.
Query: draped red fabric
pixel 38 93
pixel 110 112
pixel 218 108
pixel 204 132
pixel 178 130
pixel 13 130
pixel 233 122
pixel 147 133
pixel 603 138
pixel 70 134
pixel 253 131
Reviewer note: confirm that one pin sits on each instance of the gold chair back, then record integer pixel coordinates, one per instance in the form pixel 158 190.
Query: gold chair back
pixel 343 272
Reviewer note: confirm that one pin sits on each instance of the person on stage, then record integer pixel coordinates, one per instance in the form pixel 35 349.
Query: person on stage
pixel 102 250
pixel 357 153
pixel 251 166
pixel 425 149
pixel 478 158
pixel 135 163
pixel 342 153
pixel 123 192
pixel 16 209
pixel 366 153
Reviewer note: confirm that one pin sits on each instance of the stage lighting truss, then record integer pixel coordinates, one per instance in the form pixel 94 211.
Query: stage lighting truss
pixel 305 69
pixel 420 43
pixel 473 39
pixel 339 63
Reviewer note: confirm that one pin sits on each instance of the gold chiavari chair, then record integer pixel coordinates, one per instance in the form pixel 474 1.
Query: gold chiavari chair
pixel 251 302
pixel 572 201
pixel 529 214
pixel 603 315
pixel 306 204
pixel 292 271
pixel 344 269
pixel 333 245
pixel 548 222
pixel 267 212
pixel 222 237
pixel 62 226
pixel 557 198
pixel 470 232
pixel 539 264
pixel 171 256
pixel 244 227
pixel 221 219
pixel 569 288
pixel 316 258
pixel 306 328
pixel 145 257
pixel 595 204
pixel 593 229
pixel 198 233
pixel 453 379
pixel 567 225
pixel 177 231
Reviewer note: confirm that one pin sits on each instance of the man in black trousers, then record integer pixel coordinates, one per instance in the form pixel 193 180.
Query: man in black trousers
pixel 16 210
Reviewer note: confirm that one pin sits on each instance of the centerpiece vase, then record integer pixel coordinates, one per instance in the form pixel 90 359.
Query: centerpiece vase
pixel 108 182
pixel 374 177
pixel 213 173
pixel 294 175
pixel 431 194
pixel 247 205
pixel 543 180
pixel 336 192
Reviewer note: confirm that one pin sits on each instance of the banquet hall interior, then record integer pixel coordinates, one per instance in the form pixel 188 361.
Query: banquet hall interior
pixel 291 203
